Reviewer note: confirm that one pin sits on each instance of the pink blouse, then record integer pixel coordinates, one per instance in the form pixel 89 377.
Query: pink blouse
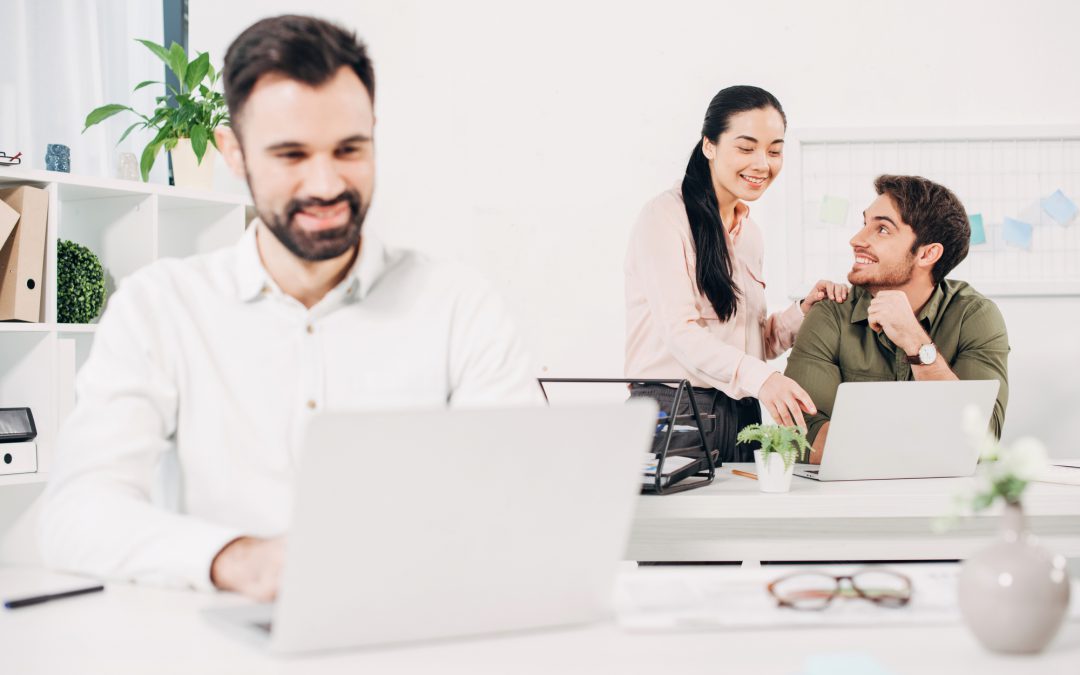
pixel 672 330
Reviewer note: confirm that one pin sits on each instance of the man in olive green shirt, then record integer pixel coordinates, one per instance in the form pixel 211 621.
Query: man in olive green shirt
pixel 902 320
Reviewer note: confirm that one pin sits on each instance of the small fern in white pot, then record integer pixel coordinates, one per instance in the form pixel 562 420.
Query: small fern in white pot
pixel 781 447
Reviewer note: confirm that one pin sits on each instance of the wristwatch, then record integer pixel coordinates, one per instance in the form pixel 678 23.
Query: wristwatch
pixel 926 355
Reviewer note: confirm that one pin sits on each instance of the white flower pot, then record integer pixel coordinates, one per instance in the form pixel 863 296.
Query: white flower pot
pixel 187 172
pixel 772 475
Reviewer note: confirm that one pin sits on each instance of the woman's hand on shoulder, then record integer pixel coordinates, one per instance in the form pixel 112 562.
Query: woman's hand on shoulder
pixel 822 290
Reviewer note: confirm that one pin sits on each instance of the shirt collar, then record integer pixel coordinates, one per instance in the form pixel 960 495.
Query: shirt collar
pixel 929 312
pixel 251 276
pixel 253 279
pixel 927 315
pixel 742 211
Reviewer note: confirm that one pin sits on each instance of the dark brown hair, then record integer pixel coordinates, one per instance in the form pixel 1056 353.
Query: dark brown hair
pixel 301 48
pixel 934 213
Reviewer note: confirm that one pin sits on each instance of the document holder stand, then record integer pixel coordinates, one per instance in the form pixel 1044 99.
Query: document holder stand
pixel 701 471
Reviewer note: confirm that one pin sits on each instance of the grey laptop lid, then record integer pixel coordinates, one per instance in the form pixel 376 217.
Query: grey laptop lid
pixel 903 429
pixel 419 525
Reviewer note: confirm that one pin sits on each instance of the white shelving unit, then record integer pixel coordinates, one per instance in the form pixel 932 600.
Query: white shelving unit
pixel 127 225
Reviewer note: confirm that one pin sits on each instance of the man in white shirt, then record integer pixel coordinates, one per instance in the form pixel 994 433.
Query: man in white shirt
pixel 225 356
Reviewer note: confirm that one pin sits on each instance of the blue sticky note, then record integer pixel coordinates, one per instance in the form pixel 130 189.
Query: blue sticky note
pixel 978 233
pixel 1059 207
pixel 833 210
pixel 1018 233
pixel 844 663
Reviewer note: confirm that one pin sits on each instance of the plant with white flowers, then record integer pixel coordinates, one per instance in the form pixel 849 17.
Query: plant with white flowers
pixel 1003 472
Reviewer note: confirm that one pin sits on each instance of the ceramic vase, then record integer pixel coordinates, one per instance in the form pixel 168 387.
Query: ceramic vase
pixel 1014 594
pixel 58 157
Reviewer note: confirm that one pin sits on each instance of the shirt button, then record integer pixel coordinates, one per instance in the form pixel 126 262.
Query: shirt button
pixel 311 405
pixel 310 329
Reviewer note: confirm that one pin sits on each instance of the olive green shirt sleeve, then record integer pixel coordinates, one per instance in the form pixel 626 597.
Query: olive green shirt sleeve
pixel 813 363
pixel 983 354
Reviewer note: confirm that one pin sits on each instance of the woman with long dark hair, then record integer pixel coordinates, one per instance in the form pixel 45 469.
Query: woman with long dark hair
pixel 695 293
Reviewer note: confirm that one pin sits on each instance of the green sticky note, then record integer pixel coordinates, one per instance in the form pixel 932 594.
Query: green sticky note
pixel 978 234
pixel 833 210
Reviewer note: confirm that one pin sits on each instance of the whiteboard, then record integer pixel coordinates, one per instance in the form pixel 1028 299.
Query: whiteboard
pixel 1002 176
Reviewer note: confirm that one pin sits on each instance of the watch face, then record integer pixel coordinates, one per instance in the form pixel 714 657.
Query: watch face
pixel 927 354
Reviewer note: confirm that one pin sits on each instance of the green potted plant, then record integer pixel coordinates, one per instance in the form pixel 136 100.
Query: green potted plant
pixel 185 117
pixel 780 447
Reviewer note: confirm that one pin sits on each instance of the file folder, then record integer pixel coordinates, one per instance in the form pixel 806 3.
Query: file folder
pixel 22 258
pixel 18 458
pixel 8 218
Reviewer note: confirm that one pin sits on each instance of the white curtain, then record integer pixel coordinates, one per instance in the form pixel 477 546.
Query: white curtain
pixel 59 60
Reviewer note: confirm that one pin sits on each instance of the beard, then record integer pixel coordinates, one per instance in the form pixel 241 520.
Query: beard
pixel 321 245
pixel 883 277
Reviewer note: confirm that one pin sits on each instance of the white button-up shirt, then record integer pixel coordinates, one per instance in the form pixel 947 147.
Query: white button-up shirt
pixel 206 355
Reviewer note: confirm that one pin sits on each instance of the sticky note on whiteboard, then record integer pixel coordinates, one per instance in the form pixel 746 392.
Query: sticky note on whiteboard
pixel 1059 207
pixel 978 232
pixel 833 210
pixel 1017 233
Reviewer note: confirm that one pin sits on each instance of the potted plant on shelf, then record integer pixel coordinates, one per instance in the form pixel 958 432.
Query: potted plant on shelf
pixel 781 447
pixel 1013 594
pixel 185 118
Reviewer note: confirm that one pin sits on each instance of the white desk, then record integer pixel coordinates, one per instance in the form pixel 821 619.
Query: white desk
pixel 128 629
pixel 731 520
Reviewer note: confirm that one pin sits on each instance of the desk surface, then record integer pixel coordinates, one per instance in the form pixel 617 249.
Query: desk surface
pixel 850 520
pixel 129 629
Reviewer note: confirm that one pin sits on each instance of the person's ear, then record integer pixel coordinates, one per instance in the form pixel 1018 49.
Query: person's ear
pixel 229 145
pixel 928 255
pixel 708 148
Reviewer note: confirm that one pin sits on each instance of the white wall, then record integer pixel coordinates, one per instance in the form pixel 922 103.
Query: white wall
pixel 524 137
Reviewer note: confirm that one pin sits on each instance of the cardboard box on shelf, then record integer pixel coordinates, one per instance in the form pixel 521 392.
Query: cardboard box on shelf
pixel 22 257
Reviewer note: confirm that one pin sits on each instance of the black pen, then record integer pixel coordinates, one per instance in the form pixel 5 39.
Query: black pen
pixel 38 599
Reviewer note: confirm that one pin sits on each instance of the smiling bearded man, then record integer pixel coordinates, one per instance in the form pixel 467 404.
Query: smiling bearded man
pixel 903 320
pixel 223 358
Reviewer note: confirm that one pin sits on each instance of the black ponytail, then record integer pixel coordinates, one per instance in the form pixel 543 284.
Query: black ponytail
pixel 714 269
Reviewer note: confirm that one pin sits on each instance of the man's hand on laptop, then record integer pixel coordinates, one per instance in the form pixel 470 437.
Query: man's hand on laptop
pixel 250 566
pixel 890 311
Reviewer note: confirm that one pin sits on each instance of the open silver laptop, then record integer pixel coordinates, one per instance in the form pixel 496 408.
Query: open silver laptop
pixel 420 525
pixel 902 430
